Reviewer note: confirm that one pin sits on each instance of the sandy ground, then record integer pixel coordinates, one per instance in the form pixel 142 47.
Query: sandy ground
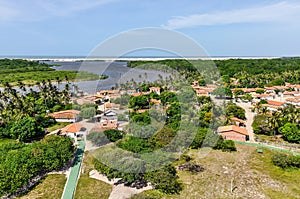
pixel 250 117
pixel 119 191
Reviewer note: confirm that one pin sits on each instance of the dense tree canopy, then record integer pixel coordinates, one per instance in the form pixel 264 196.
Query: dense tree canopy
pixel 19 162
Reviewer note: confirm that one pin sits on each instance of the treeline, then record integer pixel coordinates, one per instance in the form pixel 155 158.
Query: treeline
pixel 20 163
pixel 23 113
pixel 285 121
pixel 249 73
pixel 30 72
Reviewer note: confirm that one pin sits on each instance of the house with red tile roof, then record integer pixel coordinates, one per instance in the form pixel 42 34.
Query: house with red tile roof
pixel 273 105
pixel 293 101
pixel 264 96
pixel 73 130
pixel 66 116
pixel 234 133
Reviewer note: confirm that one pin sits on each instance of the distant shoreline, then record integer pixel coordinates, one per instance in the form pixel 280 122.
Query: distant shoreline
pixel 110 59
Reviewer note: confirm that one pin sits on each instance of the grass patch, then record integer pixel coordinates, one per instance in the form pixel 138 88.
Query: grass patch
pixel 6 141
pixel 289 178
pixel 252 174
pixel 88 187
pixel 49 188
pixel 57 126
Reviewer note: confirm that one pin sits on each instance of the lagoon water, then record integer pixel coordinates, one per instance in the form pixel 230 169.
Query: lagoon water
pixel 118 72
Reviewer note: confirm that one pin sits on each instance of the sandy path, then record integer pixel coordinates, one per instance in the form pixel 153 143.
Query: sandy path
pixel 120 191
pixel 250 117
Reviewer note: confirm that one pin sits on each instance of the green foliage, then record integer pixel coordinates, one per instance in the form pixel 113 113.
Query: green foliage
pixel 199 138
pixel 113 135
pixel 228 145
pixel 87 113
pixel 247 97
pixel 290 132
pixel 203 100
pixel 97 138
pixel 26 129
pixel 232 110
pixel 142 118
pixel 19 163
pixel 30 72
pixel 260 125
pixel 162 137
pixel 286 161
pixel 165 180
pixel 135 145
pixel 168 97
pixel 139 102
pixel 238 92
pixel 207 138
pixel 222 92
pixel 260 91
pixel 88 105
pixel 141 130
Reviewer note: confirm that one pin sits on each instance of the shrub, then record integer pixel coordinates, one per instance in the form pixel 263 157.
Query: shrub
pixel 286 161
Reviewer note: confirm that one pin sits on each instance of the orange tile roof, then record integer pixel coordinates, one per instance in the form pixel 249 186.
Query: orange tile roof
pixel 155 101
pixel 237 120
pixel 293 100
pixel 275 103
pixel 234 128
pixel 72 128
pixel 68 114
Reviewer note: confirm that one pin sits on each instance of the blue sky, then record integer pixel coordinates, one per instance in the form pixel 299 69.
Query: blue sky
pixel 223 28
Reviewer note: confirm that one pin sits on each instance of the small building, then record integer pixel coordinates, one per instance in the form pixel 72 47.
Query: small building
pixel 273 105
pixel 238 122
pixel 293 101
pixel 234 133
pixel 155 90
pixel 66 116
pixel 106 124
pixel 74 131
pixel 264 96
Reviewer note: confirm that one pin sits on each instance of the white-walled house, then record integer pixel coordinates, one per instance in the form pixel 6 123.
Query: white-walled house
pixel 66 116
pixel 73 131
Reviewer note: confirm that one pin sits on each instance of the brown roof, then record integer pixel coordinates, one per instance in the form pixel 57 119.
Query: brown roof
pixel 264 95
pixel 72 128
pixel 275 103
pixel 237 120
pixel 293 100
pixel 68 114
pixel 249 90
pixel 155 101
pixel 281 87
pixel 112 105
pixel 223 129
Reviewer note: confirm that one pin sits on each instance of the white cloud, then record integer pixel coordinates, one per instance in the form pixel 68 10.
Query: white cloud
pixel 35 10
pixel 279 12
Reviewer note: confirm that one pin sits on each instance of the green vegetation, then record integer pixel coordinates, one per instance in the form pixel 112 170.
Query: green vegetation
pixel 50 187
pixel 31 72
pixel 286 161
pixel 222 92
pixel 290 132
pixel 232 110
pixel 97 138
pixel 114 135
pixel 250 174
pixel 250 73
pixel 19 163
pixel 284 121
